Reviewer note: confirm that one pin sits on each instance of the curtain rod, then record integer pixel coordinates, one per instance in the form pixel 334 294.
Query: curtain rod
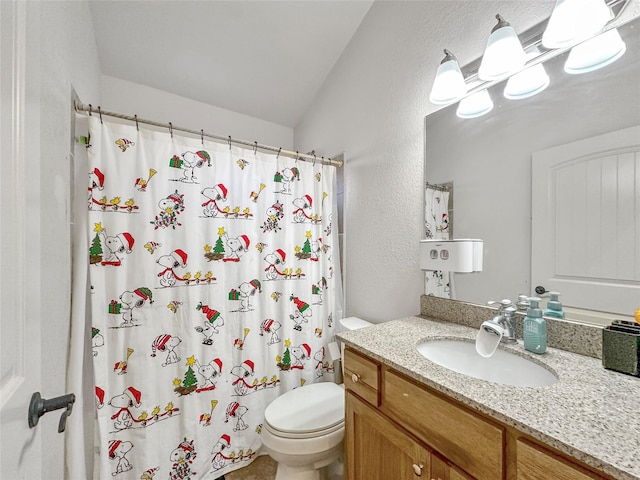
pixel 305 157
pixel 444 187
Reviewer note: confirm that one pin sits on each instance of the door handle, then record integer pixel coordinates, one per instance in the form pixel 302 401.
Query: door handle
pixel 38 406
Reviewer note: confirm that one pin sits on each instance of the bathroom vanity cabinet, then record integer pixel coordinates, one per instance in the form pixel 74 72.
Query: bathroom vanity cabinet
pixel 397 428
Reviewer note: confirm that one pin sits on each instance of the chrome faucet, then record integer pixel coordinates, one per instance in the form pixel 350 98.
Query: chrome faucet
pixel 505 319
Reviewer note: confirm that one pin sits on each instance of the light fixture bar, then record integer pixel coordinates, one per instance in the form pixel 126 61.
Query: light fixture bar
pixel 533 38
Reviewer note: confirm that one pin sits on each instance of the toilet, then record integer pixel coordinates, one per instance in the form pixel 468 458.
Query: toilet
pixel 303 429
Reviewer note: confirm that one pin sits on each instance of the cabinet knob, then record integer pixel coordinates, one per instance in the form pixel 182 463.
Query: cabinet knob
pixel 355 378
pixel 417 470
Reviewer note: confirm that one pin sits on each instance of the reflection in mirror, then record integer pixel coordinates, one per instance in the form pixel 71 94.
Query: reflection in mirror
pixel 488 160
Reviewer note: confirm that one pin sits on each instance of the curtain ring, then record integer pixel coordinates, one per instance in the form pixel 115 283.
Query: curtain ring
pixel 278 155
pixel 202 136
pixel 137 126
pixel 297 155
pixel 171 129
pixel 90 107
pixel 229 142
pixel 100 112
pixel 255 148
pixel 314 160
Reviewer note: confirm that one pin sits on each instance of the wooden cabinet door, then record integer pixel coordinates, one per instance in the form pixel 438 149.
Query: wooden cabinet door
pixel 376 449
pixel 444 470
pixel 534 463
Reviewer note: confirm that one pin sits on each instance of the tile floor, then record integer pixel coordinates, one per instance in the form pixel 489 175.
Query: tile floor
pixel 262 468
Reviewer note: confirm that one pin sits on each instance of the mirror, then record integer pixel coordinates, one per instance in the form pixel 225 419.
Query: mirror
pixel 488 159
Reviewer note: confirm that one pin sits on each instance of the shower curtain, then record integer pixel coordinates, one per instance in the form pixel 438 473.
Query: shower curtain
pixel 436 220
pixel 214 276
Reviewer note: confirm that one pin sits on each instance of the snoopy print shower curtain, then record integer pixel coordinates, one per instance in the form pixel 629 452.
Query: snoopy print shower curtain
pixel 214 289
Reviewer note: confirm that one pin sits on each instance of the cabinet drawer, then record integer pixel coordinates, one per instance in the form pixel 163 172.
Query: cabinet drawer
pixel 362 376
pixel 462 436
pixel 534 463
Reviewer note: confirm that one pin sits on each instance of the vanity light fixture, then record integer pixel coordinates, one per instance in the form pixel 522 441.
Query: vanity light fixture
pixel 528 82
pixel 595 53
pixel 573 21
pixel 475 105
pixel 503 54
pixel 449 85
pixel 571 24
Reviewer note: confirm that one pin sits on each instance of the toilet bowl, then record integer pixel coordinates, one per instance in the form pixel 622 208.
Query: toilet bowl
pixel 304 428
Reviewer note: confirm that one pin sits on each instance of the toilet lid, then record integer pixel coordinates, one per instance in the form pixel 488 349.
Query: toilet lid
pixel 307 409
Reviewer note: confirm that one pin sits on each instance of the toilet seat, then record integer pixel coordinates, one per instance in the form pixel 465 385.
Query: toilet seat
pixel 308 412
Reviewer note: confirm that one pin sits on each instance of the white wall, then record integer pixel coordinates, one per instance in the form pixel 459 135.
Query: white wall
pixel 130 98
pixel 372 107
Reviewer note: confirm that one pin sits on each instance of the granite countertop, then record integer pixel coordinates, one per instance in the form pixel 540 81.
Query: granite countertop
pixel 590 413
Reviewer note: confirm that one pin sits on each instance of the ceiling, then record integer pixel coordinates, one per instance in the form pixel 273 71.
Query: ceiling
pixel 266 59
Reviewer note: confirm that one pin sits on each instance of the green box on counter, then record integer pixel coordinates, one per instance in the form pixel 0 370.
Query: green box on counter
pixel 621 348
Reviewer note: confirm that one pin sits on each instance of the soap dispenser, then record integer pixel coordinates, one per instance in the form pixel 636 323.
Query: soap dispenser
pixel 535 328
pixel 554 307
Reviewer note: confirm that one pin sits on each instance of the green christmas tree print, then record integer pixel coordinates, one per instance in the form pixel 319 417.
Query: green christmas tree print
pixel 95 251
pixel 189 378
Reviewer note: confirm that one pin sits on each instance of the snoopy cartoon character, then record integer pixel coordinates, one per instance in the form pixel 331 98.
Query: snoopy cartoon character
pixel 271 326
pixel 191 161
pixel 209 372
pixel 182 458
pixel 211 325
pixel 242 372
pixel 214 195
pixel 248 290
pixel 236 246
pixel 168 277
pixel 274 260
pixel 301 313
pixel 300 353
pixel 166 343
pixel 302 213
pixel 117 245
pixel 237 411
pixel 220 458
pixel 130 397
pixel 288 177
pixel 119 449
pixel 131 300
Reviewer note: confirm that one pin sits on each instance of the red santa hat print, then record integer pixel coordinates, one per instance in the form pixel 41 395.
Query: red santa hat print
pixel 244 240
pixel 159 343
pixel 218 364
pixel 265 326
pixel 249 366
pixel 308 200
pixel 180 256
pixel 100 177
pixel 221 190
pixel 225 440
pixel 127 241
pixel 134 395
pixel 231 410
pixel 113 445
pixel 99 397
pixel 306 349
pixel 280 255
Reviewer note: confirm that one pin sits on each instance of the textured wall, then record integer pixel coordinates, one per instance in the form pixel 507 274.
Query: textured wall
pixel 372 108
pixel 131 98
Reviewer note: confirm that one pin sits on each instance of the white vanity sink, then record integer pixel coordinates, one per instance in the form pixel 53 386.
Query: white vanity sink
pixel 502 367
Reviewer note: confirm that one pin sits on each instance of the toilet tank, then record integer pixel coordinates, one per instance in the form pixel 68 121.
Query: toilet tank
pixel 349 323
pixel 353 323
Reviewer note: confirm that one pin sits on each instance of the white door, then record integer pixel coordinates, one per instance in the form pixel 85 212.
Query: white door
pixel 21 260
pixel 586 221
